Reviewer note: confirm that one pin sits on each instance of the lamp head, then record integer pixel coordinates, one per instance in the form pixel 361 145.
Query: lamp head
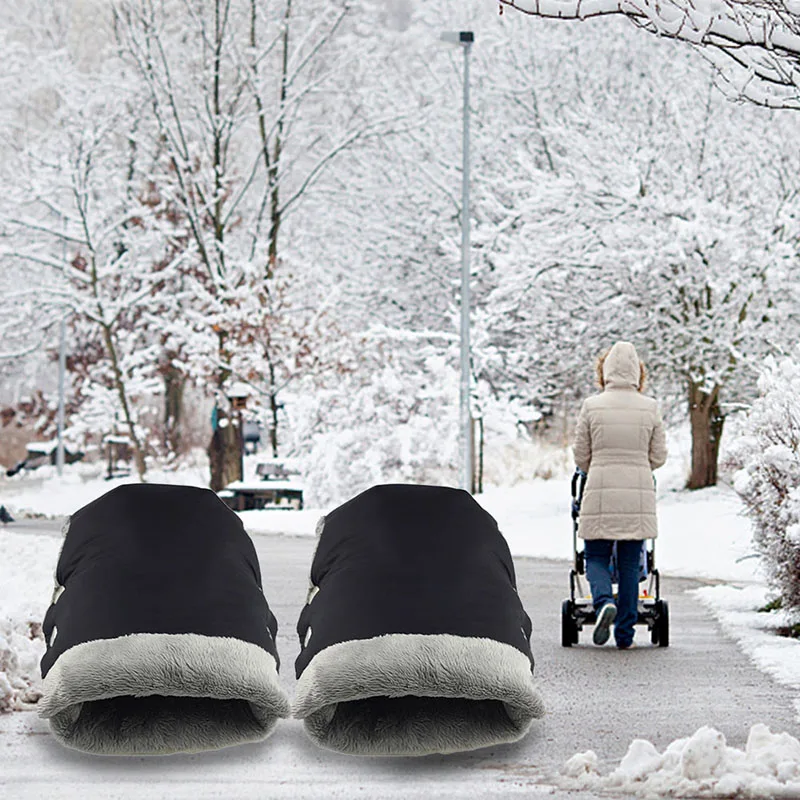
pixel 458 37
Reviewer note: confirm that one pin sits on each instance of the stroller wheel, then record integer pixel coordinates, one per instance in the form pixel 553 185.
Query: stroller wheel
pixel 569 630
pixel 660 633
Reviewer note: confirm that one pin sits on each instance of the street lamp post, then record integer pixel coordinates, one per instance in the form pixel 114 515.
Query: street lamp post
pixel 465 39
pixel 62 368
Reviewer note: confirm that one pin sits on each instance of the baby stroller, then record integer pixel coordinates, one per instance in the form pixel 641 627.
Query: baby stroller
pixel 578 610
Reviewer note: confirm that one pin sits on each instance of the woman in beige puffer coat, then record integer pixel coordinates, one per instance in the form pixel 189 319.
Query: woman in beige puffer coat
pixel 619 441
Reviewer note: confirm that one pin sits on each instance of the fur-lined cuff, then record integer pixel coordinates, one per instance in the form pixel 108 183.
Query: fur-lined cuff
pixel 414 694
pixel 162 693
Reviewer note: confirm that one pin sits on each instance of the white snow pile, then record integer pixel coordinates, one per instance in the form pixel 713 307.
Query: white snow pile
pixel 26 585
pixel 21 649
pixel 701 765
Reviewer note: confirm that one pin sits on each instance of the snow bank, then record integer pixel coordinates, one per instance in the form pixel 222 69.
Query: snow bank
pixel 272 520
pixel 26 585
pixel 701 765
pixel 705 534
pixel 754 631
pixel 43 493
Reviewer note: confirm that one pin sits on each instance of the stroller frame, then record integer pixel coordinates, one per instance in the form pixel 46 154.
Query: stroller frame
pixel 578 610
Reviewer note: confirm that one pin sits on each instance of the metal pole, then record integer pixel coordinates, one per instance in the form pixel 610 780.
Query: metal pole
pixel 241 445
pixel 62 368
pixel 465 416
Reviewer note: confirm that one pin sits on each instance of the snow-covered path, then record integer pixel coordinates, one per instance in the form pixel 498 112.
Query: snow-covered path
pixel 597 698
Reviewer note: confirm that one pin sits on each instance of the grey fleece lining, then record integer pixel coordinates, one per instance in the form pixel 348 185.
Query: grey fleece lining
pixel 155 693
pixel 414 694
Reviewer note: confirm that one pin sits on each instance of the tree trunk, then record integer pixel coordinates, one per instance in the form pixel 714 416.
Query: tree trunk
pixel 273 428
pixel 275 213
pixel 225 454
pixel 274 406
pixel 706 422
pixel 119 383
pixel 224 449
pixel 174 383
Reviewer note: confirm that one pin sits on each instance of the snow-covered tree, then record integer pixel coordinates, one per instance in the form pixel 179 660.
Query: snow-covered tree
pixel 238 92
pixel 73 219
pixel 221 118
pixel 706 305
pixel 629 202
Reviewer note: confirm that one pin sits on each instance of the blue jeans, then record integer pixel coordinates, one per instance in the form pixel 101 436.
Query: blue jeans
pixel 598 572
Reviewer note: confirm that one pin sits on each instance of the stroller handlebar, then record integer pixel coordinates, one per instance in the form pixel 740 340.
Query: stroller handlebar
pixel 578 483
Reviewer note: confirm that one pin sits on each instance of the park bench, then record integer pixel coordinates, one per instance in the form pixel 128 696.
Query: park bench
pixel 278 487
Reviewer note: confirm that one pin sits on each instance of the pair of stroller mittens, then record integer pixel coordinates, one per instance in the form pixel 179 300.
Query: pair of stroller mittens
pixel 160 639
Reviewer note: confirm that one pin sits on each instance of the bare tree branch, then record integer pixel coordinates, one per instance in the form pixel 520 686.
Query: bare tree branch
pixel 755 44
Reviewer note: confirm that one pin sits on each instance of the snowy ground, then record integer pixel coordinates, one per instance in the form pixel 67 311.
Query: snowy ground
pixel 703 535
pixel 43 493
pixel 737 610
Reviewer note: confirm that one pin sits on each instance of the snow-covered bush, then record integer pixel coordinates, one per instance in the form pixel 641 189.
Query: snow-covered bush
pixel 386 424
pixel 510 461
pixel 343 463
pixel 767 460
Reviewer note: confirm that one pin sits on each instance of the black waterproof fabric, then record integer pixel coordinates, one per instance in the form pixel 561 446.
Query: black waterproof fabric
pixel 159 637
pixel 414 640
pixel 412 559
pixel 148 558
